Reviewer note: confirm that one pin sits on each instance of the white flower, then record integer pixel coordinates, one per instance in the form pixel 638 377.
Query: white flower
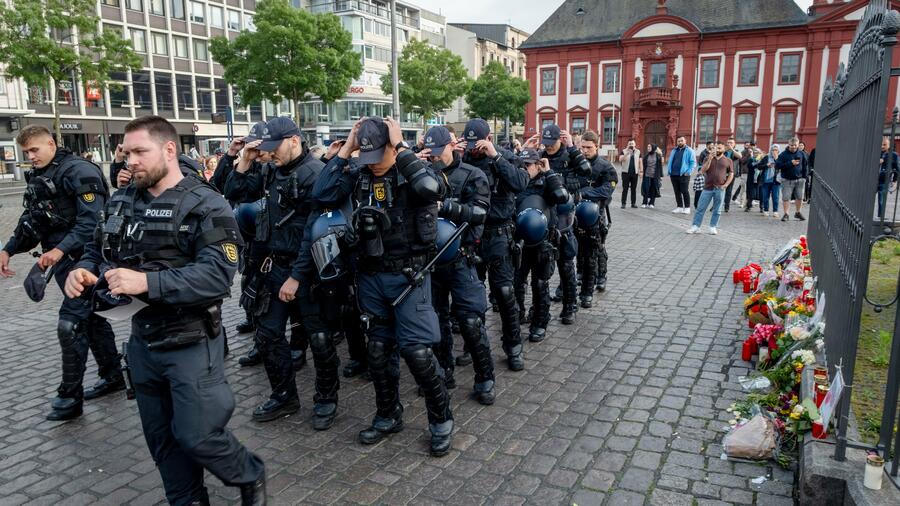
pixel 798 333
pixel 799 409
pixel 805 356
pixel 821 327
pixel 820 344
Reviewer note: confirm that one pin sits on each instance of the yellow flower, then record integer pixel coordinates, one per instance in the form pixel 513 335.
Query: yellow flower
pixel 795 415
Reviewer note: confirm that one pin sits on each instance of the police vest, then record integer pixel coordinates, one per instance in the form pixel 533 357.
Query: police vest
pixel 503 201
pixel 412 229
pixel 158 238
pixel 457 179
pixel 47 200
pixel 287 205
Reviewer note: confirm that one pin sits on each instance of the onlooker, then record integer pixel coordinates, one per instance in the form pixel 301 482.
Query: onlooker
pixel 887 174
pixel 193 153
pixel 769 186
pixel 719 171
pixel 793 167
pixel 751 192
pixel 735 157
pixel 631 167
pixel 650 182
pixel 700 179
pixel 209 167
pixel 87 155
pixel 681 164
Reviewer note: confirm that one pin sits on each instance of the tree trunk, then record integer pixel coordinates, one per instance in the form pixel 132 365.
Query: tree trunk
pixel 298 117
pixel 495 127
pixel 57 128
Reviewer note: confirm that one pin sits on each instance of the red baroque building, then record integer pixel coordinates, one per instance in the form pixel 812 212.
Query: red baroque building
pixel 706 69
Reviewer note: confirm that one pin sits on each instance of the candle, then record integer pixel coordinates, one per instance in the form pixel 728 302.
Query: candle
pixel 818 430
pixel 754 347
pixel 874 472
pixel 820 374
pixel 821 392
pixel 745 351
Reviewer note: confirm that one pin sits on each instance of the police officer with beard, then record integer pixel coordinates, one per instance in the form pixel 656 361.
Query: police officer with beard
pixel 467 201
pixel 567 161
pixel 280 224
pixel 536 227
pixel 168 251
pixel 597 189
pixel 63 202
pixel 395 196
pixel 505 181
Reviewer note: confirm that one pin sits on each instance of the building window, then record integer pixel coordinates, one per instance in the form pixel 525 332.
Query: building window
pixel 579 80
pixel 749 71
pixel 222 95
pixel 658 75
pixel 548 82
pixel 163 84
pixel 198 13
pixel 180 46
pixel 141 85
pixel 784 126
pixel 176 9
pixel 139 40
pixel 135 5
pixel 234 21
pixel 113 3
pixel 200 52
pixel 790 68
pixel 160 44
pixel 709 73
pixel 743 126
pixel 158 7
pixel 609 127
pixel 184 90
pixel 216 17
pixel 706 127
pixel 547 120
pixel 579 124
pixel 118 90
pixel 611 78
pixel 204 94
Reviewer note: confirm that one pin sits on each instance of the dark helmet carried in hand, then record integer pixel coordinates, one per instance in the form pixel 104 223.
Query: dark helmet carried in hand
pixel 245 215
pixel 587 214
pixel 445 230
pixel 531 226
pixel 326 234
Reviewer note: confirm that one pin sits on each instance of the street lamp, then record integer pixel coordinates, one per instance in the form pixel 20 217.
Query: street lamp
pixel 215 117
pixel 395 80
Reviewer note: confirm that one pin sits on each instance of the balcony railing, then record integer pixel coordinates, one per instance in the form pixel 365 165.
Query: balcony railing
pixel 657 96
pixel 339 6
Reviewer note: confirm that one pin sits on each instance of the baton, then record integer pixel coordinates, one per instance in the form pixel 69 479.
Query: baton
pixel 417 277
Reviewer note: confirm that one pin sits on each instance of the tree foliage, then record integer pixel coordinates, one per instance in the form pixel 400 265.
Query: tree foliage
pixel 430 78
pixel 43 40
pixel 292 55
pixel 498 95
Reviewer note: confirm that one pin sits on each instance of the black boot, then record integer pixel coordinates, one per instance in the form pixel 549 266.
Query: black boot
pixel 567 316
pixel 464 359
pixel 251 358
pixel 245 327
pixel 324 415
pixel 328 383
pixel 382 427
pixel 424 368
pixel 601 284
pixel 475 336
pixel 509 319
pixel 254 494
pixel 386 381
pixel 586 301
pixel 274 409
pixel 537 334
pixel 441 438
pixel 105 386
pixel 65 409
pixel 354 368
pixel 514 359
pixel 541 298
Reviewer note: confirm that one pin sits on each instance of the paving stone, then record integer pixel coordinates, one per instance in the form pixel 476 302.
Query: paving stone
pixel 598 480
pixel 636 479
pixel 661 497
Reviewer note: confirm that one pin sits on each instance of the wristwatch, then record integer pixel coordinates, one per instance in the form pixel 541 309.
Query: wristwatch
pixel 401 144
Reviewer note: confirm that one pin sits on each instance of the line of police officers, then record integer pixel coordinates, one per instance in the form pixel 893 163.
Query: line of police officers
pixel 375 232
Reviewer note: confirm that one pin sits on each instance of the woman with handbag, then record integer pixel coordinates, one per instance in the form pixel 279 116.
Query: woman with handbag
pixel 652 176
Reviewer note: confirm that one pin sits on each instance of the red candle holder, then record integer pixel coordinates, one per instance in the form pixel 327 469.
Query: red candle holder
pixel 818 430
pixel 746 355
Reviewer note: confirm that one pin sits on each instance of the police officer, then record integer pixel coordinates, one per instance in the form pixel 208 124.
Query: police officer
pixel 537 235
pixel 467 201
pixel 505 181
pixel 597 189
pixel 171 242
pixel 63 201
pixel 395 195
pixel 566 160
pixel 280 224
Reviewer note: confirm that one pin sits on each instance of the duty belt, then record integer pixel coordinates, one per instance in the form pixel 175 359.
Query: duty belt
pixel 278 259
pixel 499 228
pixel 393 264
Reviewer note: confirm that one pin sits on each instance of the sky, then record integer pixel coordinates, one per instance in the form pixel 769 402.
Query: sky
pixel 524 14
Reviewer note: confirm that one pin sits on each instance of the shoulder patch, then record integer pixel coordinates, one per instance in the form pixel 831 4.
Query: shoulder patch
pixel 88 197
pixel 231 251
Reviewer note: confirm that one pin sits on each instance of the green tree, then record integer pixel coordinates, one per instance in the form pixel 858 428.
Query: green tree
pixel 430 78
pixel 46 42
pixel 292 55
pixel 498 95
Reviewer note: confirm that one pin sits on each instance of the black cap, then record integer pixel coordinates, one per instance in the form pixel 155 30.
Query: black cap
pixel 372 137
pixel 476 129
pixel 550 135
pixel 529 156
pixel 36 282
pixel 277 130
pixel 256 132
pixel 436 139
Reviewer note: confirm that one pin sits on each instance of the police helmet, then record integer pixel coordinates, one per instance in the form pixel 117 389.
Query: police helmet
pixel 245 214
pixel 531 226
pixel 445 230
pixel 566 207
pixel 587 214
pixel 326 233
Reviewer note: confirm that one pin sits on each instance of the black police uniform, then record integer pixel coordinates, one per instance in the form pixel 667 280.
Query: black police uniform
pixel 186 241
pixel 571 165
pixel 280 225
pixel 592 257
pixel 505 180
pixel 396 224
pixel 544 193
pixel 63 202
pixel 467 201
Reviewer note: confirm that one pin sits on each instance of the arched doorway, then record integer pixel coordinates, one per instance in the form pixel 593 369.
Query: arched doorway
pixel 655 133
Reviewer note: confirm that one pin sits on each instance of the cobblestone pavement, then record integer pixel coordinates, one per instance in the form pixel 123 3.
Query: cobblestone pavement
pixel 624 407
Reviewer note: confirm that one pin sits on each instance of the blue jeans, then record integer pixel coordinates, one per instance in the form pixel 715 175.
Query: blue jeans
pixel 770 191
pixel 882 197
pixel 717 197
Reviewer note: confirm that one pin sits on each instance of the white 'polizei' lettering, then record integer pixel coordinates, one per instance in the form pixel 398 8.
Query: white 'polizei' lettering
pixel 158 213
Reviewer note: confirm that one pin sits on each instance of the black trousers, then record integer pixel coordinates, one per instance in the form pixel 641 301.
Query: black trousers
pixel 697 197
pixel 680 185
pixel 728 191
pixel 629 181
pixel 185 404
pixel 540 262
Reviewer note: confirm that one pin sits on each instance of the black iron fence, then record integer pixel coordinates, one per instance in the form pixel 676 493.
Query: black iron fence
pixel 841 227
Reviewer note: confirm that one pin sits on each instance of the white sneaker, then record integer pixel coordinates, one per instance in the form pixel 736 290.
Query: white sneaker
pixel 686 210
pixel 713 231
pixel 643 206
pixel 651 206
pixel 693 230
pixel 676 210
pixel 766 214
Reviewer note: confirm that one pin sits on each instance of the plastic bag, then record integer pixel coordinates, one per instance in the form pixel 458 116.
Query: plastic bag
pixel 754 440
pixel 755 384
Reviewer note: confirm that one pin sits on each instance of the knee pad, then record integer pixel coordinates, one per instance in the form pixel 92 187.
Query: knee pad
pixel 419 358
pixel 66 332
pixel 507 292
pixel 470 324
pixel 320 340
pixel 379 354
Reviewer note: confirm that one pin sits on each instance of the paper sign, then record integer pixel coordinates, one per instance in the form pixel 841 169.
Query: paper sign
pixel 125 312
pixel 832 398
